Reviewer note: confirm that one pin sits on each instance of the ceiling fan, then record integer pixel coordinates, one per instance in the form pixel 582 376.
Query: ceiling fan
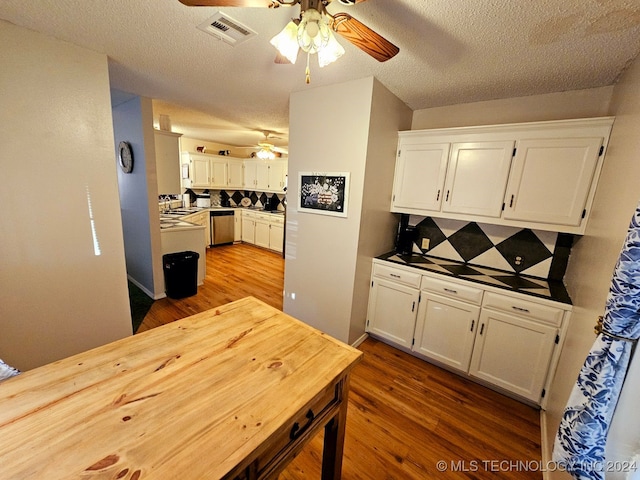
pixel 313 30
pixel 267 150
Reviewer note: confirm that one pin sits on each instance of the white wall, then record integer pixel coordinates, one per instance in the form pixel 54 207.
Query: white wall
pixel 328 132
pixel 378 226
pixel 593 102
pixel 350 127
pixel 593 258
pixel 61 292
pixel 133 123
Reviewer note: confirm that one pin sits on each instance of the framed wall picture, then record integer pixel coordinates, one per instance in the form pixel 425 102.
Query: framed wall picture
pixel 324 193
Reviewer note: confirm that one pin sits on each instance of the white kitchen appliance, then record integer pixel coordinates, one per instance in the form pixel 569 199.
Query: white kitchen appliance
pixel 203 201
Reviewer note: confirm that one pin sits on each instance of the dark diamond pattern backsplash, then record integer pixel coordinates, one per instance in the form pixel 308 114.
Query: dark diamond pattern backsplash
pixel 536 253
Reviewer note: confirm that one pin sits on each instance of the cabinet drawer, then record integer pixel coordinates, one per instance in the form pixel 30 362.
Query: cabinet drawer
pixel 524 308
pixel 452 290
pixel 299 429
pixel 397 275
pixel 277 218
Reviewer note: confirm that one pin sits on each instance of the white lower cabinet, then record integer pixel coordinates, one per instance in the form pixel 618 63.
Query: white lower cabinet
pixel 507 340
pixel 513 353
pixel 262 231
pixel 445 330
pixel 392 311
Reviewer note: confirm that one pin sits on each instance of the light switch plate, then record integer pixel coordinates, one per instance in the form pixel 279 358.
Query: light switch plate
pixel 425 243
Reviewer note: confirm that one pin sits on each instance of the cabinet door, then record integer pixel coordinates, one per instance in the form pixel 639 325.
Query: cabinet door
pixel 236 173
pixel 551 179
pixel 392 311
pixel 237 227
pixel 248 230
pixel 250 172
pixel 277 174
pixel 513 353
pixel 218 173
pixel 262 176
pixel 477 178
pixel 262 233
pixel 201 171
pixel 419 176
pixel 276 237
pixel 167 162
pixel 445 330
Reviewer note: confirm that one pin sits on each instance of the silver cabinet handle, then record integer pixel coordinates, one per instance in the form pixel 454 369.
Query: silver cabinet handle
pixel 481 328
pixel 520 309
pixel 394 275
pixel 450 290
pixel 413 307
pixel 473 322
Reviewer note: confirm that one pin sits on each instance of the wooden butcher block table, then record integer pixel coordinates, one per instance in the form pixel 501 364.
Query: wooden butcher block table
pixel 233 393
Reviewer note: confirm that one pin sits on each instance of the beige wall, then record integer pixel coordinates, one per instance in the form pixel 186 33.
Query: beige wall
pixel 377 225
pixel 324 281
pixel 63 284
pixel 593 257
pixel 593 102
pixel 189 145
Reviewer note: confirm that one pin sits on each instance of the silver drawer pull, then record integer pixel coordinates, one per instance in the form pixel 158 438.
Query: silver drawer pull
pixel 520 309
pixel 394 275
pixel 449 290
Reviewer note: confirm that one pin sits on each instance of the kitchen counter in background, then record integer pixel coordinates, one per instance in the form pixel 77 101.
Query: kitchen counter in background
pixel 537 287
pixel 173 218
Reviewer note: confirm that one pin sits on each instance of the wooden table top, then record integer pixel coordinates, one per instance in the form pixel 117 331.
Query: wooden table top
pixel 187 400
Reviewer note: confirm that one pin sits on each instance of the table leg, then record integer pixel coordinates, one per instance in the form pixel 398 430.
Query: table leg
pixel 334 437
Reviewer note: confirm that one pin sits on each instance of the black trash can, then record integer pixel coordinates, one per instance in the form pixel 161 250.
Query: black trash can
pixel 180 274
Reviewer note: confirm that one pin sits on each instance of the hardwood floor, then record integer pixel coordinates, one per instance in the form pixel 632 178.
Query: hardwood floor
pixel 233 272
pixel 405 415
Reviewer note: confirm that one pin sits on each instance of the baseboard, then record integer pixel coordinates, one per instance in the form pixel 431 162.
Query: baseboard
pixel 357 343
pixel 147 292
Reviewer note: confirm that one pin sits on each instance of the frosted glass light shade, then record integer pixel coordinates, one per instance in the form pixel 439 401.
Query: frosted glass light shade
pixel 266 154
pixel 313 31
pixel 287 42
pixel 331 52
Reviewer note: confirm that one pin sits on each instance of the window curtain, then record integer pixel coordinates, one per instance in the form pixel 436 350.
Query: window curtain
pixel 581 439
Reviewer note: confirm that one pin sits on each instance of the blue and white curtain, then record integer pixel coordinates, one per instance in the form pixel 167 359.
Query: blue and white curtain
pixel 580 443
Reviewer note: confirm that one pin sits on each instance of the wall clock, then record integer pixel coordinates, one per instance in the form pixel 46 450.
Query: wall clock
pixel 125 157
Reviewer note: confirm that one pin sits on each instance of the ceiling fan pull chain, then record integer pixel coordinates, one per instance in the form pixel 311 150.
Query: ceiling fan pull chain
pixel 307 72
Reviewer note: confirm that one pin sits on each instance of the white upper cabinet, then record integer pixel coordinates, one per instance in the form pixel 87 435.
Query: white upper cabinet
pixel 419 177
pixel 212 171
pixel 167 161
pixel 200 171
pixel 472 174
pixel 219 176
pixel 236 173
pixel 265 175
pixel 477 177
pixel 551 179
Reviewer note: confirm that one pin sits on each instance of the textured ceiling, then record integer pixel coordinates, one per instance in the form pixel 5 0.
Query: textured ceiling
pixel 451 51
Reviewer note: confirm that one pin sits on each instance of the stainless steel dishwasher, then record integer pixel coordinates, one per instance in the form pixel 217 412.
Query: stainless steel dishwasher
pixel 222 227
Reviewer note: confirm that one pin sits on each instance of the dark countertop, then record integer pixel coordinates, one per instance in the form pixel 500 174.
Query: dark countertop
pixel 536 287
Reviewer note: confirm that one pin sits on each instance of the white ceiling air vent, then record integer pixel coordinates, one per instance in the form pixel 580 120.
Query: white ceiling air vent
pixel 227 29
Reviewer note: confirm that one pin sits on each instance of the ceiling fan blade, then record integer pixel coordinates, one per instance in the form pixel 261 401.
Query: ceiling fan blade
pixel 230 3
pixel 281 59
pixel 363 37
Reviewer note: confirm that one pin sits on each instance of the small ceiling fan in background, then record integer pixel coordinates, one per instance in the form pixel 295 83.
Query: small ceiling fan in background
pixel 265 149
pixel 312 31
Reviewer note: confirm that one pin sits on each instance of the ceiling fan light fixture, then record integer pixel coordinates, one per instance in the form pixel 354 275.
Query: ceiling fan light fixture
pixel 313 31
pixel 286 42
pixel 331 52
pixel 265 154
